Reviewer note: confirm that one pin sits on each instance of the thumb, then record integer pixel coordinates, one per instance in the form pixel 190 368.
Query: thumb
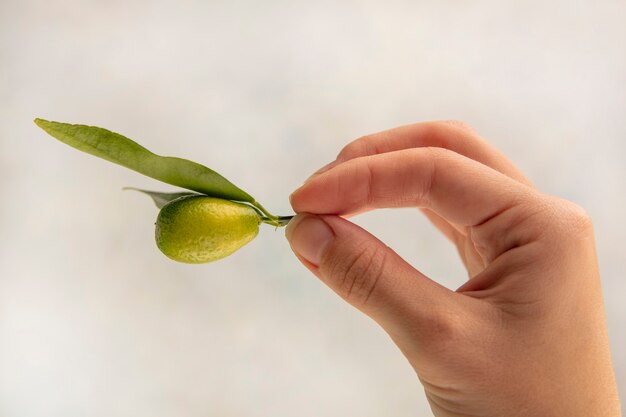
pixel 369 275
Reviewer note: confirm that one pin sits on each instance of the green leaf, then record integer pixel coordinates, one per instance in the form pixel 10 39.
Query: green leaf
pixel 120 150
pixel 161 199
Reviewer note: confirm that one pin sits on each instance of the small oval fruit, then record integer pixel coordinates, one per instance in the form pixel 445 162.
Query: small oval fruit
pixel 201 229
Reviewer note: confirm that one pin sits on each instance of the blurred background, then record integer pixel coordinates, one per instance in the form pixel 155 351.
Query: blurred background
pixel 95 321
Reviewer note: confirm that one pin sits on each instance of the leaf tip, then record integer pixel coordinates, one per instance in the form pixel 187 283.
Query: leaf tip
pixel 41 122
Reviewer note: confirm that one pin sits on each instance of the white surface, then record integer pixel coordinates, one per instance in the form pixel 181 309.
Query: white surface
pixel 95 321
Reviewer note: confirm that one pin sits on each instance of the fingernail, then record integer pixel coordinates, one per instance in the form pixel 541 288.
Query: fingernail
pixel 316 173
pixel 309 236
pixel 322 169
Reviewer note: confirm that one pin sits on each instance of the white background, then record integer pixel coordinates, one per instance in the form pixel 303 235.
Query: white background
pixel 95 321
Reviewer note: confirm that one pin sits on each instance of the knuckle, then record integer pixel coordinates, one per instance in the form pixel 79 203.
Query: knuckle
pixel 357 276
pixel 570 218
pixel 443 326
pixel 577 218
pixel 445 331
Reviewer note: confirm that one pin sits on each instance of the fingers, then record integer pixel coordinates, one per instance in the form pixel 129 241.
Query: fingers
pixel 452 135
pixel 457 188
pixel 368 274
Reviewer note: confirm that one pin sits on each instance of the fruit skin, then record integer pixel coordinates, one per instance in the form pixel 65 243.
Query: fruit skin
pixel 201 229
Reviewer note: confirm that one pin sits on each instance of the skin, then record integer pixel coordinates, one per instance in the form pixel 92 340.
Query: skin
pixel 199 229
pixel 526 334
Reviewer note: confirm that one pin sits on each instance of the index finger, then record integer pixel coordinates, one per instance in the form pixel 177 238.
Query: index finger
pixel 455 187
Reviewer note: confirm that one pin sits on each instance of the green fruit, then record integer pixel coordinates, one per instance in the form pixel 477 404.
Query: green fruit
pixel 200 229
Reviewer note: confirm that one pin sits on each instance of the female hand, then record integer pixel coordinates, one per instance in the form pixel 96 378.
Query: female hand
pixel 526 334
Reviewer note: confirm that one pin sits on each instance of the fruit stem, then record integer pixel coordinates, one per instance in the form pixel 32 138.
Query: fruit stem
pixel 278 221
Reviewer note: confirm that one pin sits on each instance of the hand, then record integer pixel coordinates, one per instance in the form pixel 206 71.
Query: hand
pixel 526 334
